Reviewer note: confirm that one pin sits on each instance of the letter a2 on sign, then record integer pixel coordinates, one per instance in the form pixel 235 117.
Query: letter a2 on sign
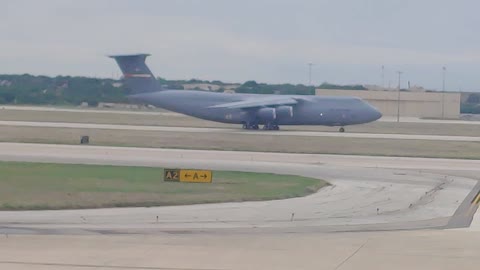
pixel 171 175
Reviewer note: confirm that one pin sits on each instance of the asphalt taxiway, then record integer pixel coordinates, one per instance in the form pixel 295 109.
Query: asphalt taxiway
pixel 405 119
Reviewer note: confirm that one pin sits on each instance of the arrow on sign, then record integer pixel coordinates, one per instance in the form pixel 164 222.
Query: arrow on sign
pixel 195 176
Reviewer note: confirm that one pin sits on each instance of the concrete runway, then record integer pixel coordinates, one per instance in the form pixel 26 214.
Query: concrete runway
pixel 240 131
pixel 336 228
pixel 420 250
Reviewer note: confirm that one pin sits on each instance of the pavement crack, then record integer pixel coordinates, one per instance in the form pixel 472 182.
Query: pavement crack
pixel 429 196
pixel 351 255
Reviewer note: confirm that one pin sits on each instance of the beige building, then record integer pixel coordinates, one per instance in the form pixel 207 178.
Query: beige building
pixel 413 104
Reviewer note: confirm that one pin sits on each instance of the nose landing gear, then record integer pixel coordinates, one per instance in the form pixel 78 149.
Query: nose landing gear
pixel 342 129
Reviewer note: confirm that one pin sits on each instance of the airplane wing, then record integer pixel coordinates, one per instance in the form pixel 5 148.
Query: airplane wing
pixel 253 103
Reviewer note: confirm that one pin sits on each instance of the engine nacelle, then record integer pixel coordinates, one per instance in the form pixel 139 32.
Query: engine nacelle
pixel 267 114
pixel 284 112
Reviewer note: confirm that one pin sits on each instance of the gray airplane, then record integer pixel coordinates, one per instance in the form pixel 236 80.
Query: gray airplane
pixel 250 110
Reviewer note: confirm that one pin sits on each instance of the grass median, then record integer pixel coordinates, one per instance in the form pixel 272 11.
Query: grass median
pixel 25 186
pixel 243 142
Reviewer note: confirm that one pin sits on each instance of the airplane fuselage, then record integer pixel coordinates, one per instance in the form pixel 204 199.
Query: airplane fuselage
pixel 311 110
pixel 250 110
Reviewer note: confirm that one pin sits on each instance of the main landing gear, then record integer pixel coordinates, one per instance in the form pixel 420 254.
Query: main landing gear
pixel 342 129
pixel 270 126
pixel 250 126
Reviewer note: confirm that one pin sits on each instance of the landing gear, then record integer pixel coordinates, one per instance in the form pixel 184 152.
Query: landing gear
pixel 254 126
pixel 250 126
pixel 342 129
pixel 270 126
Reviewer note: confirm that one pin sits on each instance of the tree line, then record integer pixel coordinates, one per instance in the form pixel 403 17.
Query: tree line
pixel 73 90
pixel 60 90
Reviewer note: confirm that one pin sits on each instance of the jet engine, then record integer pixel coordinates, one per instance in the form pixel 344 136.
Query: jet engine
pixel 284 112
pixel 267 114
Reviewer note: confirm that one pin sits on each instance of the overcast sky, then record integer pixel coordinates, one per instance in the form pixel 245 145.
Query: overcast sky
pixel 263 40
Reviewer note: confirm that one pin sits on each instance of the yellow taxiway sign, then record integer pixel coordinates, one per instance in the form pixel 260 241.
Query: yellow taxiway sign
pixel 196 176
pixel 190 176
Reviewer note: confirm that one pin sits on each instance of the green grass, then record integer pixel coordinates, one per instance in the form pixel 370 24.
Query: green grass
pixel 62 186
pixel 243 142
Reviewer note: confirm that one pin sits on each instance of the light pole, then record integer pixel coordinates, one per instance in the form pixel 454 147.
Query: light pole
pixel 310 74
pixel 398 96
pixel 444 70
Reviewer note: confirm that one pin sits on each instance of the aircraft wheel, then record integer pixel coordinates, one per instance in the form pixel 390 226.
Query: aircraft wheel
pixel 245 126
pixel 276 127
pixel 255 127
pixel 342 129
pixel 269 126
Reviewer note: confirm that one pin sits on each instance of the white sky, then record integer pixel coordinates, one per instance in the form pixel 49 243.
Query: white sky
pixel 263 40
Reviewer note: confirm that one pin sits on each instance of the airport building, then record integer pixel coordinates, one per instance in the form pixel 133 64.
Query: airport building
pixel 412 104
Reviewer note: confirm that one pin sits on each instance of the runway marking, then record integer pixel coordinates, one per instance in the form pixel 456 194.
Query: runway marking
pixel 474 205
pixel 103 266
pixel 477 199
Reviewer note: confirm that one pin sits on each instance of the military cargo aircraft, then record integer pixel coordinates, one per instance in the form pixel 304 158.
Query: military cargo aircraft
pixel 249 110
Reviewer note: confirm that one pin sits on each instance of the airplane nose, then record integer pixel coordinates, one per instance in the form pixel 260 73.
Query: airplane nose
pixel 376 114
pixel 369 113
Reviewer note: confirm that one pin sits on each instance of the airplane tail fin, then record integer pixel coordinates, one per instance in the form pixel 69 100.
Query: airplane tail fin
pixel 137 76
